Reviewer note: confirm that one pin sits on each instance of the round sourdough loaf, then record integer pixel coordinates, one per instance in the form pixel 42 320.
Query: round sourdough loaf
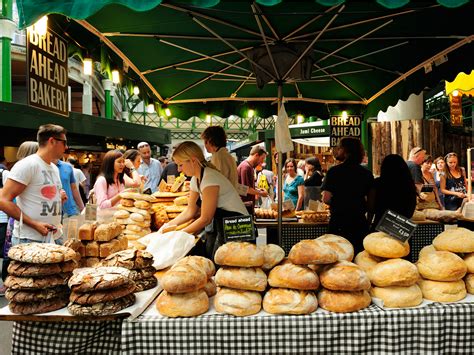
pixel 237 302
pixel 383 245
pixel 298 277
pixel 143 205
pixel 344 276
pixel 101 308
pixel 17 268
pixel 26 296
pixel 367 261
pixel 426 250
pixel 394 272
pixel 129 259
pixel 210 288
pixel 342 247
pixel 36 283
pixel 241 254
pixel 441 266
pixel 145 284
pixel 121 214
pixel 456 240
pixel 183 278
pixel 469 260
pixel 343 301
pixel 242 278
pixel 398 297
pixel 284 301
pixel 189 304
pixel 272 255
pixel 441 291
pixel 40 306
pixel 125 202
pixel 198 262
pixel 85 298
pixel 469 280
pixel 312 251
pixel 101 278
pixel 41 253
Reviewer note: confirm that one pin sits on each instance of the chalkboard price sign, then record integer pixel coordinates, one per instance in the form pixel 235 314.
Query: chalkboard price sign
pixel 396 226
pixel 238 229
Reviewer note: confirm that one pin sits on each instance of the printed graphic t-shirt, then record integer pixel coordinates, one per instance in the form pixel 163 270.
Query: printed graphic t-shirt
pixel 41 199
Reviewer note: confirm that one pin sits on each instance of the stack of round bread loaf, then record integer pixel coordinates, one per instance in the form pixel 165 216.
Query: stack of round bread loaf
pixel 394 279
pixel 240 279
pixel 140 264
pixel 134 214
pixel 443 270
pixel 187 287
pixel 38 276
pixel 100 291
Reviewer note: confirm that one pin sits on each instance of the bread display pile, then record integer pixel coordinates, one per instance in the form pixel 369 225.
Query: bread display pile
pixel 187 286
pixel 315 216
pixel 97 241
pixel 167 206
pixel 240 279
pixel 38 277
pixel 134 215
pixel 140 264
pixel 100 291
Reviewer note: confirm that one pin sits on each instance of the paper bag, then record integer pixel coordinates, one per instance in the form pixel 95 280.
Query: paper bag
pixel 168 248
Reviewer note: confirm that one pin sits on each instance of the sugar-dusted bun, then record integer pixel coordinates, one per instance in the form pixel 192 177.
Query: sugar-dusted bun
pixel 344 276
pixel 469 280
pixel 367 261
pixel 199 262
pixel 343 301
pixel 398 297
pixel 394 272
pixel 237 302
pixel 242 278
pixel 456 240
pixel 312 251
pixel 241 254
pixel 272 255
pixel 383 245
pixel 183 278
pixel 293 276
pixel 182 304
pixel 342 247
pixel 469 260
pixel 441 291
pixel 441 266
pixel 284 301
pixel 426 250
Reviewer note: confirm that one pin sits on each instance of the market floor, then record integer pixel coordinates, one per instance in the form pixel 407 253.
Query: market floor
pixel 5 328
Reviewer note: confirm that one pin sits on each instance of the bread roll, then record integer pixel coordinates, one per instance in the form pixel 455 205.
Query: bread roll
pixel 441 266
pixel 137 217
pixel 210 288
pixel 440 291
pixel 383 245
pixel 181 201
pixel 182 304
pixel 426 250
pixel 272 255
pixel 183 278
pixel 394 272
pixel 344 276
pixel 456 240
pixel 121 214
pixel 469 280
pixel 293 276
pixel 367 261
pixel 343 301
pixel 198 262
pixel 469 260
pixel 398 297
pixel 133 228
pixel 312 251
pixel 144 205
pixel 284 301
pixel 342 247
pixel 241 254
pixel 127 202
pixel 237 302
pixel 252 279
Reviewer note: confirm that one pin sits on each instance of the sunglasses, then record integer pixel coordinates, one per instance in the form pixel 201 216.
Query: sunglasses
pixel 60 140
pixel 450 155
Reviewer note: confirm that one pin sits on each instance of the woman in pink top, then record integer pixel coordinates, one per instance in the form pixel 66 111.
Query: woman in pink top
pixel 112 179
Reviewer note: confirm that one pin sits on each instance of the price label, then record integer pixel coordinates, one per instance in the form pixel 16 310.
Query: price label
pixel 396 226
pixel 238 229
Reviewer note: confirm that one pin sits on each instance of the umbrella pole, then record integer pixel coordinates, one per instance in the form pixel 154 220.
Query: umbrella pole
pixel 279 170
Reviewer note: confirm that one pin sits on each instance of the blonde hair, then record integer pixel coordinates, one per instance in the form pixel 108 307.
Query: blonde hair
pixel 188 150
pixel 26 148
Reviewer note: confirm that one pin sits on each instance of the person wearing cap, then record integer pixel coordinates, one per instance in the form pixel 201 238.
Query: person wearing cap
pixel 415 159
pixel 150 168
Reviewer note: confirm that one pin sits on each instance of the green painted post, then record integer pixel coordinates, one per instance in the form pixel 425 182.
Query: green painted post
pixel 108 87
pixel 7 29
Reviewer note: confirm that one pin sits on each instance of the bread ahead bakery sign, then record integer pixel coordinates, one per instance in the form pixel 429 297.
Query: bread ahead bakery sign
pixel 47 72
pixel 345 126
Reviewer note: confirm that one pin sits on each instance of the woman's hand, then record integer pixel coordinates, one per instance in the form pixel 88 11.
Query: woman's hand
pixel 129 164
pixel 461 194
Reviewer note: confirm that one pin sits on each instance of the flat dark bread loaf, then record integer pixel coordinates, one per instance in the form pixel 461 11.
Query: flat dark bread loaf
pixel 102 308
pixel 89 298
pixel 131 259
pixel 24 296
pixel 35 283
pixel 145 284
pixel 101 278
pixel 43 306
pixel 141 274
pixel 41 253
pixel 18 268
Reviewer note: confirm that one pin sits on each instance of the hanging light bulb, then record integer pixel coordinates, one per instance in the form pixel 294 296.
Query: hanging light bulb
pixel 41 26
pixel 250 113
pixel 299 118
pixel 115 76
pixel 344 115
pixel 455 93
pixel 87 66
pixel 136 90
pixel 150 108
pixel 167 112
pixel 208 118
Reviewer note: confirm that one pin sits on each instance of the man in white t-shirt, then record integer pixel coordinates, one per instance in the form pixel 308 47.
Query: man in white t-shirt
pixel 35 183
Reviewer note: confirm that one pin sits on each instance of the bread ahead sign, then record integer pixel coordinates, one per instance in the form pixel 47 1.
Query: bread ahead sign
pixel 47 72
pixel 345 126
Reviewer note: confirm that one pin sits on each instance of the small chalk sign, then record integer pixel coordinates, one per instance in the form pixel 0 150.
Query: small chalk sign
pixel 238 229
pixel 396 225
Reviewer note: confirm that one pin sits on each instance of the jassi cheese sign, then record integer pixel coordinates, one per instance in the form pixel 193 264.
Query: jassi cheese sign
pixel 342 126
pixel 47 72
